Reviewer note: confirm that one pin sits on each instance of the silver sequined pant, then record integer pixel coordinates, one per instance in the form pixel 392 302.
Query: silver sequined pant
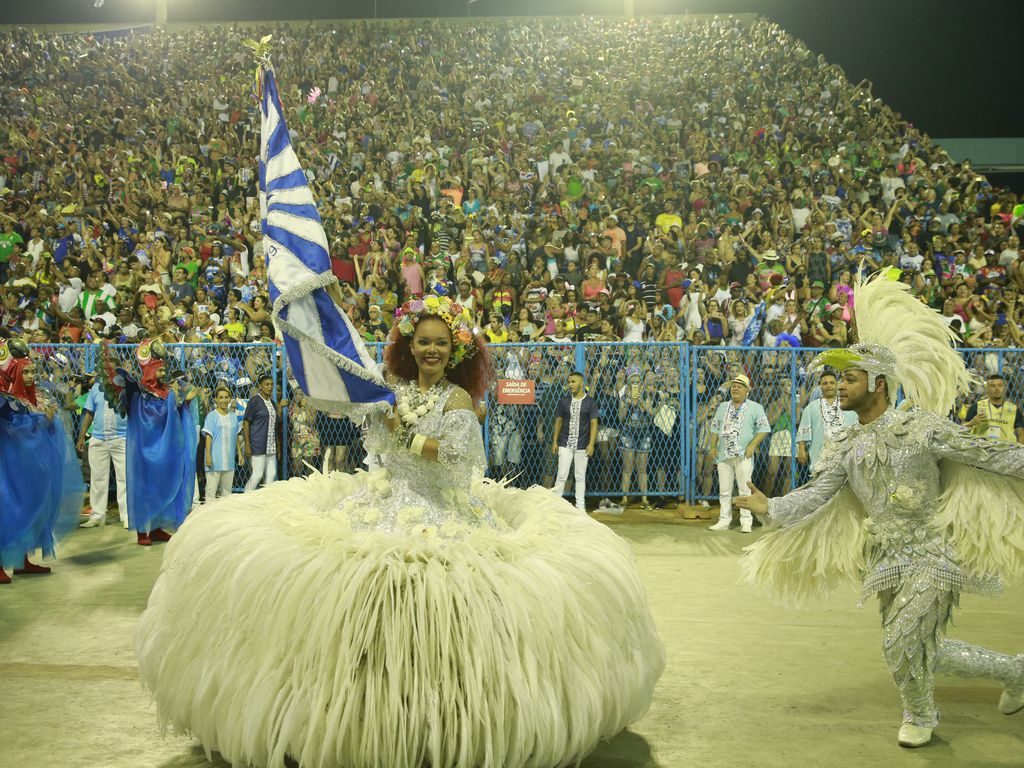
pixel 914 618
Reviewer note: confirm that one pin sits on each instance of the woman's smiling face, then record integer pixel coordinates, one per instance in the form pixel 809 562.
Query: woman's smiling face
pixel 431 345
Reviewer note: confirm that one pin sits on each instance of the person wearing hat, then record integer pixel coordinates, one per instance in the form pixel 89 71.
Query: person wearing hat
pixel 769 265
pixel 737 430
pixel 735 294
pixel 816 306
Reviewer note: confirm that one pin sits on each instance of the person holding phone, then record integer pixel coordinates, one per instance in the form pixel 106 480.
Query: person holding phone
pixel 636 415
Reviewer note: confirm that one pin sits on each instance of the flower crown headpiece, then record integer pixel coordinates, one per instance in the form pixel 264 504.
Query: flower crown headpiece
pixel 456 317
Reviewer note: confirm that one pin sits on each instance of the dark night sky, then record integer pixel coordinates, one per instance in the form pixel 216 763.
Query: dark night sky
pixel 946 65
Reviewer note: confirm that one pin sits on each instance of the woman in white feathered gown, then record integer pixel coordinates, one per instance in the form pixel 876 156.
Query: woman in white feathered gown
pixel 416 615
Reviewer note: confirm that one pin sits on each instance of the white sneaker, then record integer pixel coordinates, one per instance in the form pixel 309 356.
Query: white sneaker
pixel 721 525
pixel 1012 700
pixel 93 522
pixel 745 527
pixel 704 503
pixel 912 736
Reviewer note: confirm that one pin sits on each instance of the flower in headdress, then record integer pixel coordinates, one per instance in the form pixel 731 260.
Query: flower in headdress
pixel 455 316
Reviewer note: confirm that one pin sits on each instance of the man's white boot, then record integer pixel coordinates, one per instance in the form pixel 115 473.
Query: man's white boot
pixel 914 735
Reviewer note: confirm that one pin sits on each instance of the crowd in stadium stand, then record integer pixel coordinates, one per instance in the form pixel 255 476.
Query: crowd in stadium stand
pixel 589 180
pixel 706 180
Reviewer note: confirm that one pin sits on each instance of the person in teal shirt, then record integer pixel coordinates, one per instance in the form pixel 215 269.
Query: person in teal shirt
pixel 821 421
pixel 737 430
pixel 221 428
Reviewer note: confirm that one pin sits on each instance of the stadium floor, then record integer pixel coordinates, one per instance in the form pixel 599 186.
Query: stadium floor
pixel 747 683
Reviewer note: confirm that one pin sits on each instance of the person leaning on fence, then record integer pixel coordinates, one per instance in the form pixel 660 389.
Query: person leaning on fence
pixel 260 434
pixel 575 437
pixel 738 428
pixel 221 428
pixel 106 444
pixel 994 416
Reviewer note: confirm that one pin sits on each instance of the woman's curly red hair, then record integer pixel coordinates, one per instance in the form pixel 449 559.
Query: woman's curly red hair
pixel 474 374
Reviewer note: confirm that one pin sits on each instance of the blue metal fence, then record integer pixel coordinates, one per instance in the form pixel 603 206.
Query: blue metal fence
pixel 656 404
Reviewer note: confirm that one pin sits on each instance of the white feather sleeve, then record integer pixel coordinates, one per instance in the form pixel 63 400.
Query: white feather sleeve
pixel 982 504
pixel 811 556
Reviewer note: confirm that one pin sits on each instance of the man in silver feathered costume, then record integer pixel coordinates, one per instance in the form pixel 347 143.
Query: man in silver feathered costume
pixel 896 502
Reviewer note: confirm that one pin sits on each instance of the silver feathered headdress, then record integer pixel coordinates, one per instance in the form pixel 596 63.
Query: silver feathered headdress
pixel 905 341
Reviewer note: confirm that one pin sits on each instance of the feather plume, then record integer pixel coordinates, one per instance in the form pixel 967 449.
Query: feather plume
pixel 928 366
pixel 811 558
pixel 982 514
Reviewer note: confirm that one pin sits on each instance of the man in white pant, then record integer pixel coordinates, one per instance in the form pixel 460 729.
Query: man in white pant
pixel 737 430
pixel 106 445
pixel 575 436
pixel 259 432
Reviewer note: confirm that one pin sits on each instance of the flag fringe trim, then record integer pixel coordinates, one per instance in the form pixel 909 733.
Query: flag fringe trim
pixel 369 373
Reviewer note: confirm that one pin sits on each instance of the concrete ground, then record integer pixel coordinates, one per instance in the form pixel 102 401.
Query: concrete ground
pixel 747 683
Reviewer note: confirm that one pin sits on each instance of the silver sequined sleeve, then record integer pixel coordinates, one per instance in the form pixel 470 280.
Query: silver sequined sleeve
pixel 796 505
pixel 377 439
pixel 953 442
pixel 461 444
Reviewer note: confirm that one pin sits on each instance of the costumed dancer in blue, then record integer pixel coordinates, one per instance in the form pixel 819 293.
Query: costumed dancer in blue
pixel 161 445
pixel 40 478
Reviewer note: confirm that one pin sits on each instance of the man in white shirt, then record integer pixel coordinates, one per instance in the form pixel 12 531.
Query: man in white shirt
pixel 557 159
pixel 912 259
pixel 1011 252
pixel 106 446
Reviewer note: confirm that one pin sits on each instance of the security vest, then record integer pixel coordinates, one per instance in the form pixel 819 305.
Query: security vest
pixel 1000 420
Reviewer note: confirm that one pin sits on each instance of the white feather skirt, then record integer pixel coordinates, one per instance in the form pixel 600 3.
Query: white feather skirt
pixel 276 630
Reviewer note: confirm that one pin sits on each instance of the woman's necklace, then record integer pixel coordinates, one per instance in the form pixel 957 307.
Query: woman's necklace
pixel 414 403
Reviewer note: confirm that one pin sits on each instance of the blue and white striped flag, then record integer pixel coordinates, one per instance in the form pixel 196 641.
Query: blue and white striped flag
pixel 326 355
